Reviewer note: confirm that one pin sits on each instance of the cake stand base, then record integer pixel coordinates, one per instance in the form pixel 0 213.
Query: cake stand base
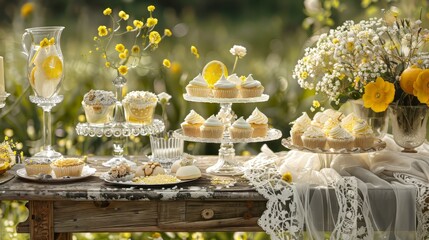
pixel 118 160
pixel 49 154
pixel 226 165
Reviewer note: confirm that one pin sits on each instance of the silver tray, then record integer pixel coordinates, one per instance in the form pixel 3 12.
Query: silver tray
pixel 378 146
pixel 86 172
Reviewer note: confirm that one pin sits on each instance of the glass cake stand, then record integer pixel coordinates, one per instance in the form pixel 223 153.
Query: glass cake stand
pixel 327 155
pixel 119 128
pixel 227 164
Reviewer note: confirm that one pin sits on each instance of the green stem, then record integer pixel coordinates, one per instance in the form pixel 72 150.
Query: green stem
pixel 235 64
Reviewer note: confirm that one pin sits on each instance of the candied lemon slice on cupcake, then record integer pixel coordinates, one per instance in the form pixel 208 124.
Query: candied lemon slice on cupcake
pixel 213 71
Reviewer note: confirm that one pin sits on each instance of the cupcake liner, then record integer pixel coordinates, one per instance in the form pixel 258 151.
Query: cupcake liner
pixel 259 130
pixel 251 92
pixel 198 91
pixel 36 169
pixel 340 143
pixel 240 132
pixel 191 130
pixel 139 115
pixel 99 114
pixel 296 138
pixel 364 142
pixel 314 143
pixel 211 132
pixel 69 171
pixel 225 93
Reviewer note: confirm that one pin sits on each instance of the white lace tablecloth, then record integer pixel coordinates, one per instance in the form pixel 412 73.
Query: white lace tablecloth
pixel 340 202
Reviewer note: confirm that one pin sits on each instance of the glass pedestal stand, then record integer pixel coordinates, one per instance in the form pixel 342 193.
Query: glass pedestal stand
pixel 47 104
pixel 227 163
pixel 119 129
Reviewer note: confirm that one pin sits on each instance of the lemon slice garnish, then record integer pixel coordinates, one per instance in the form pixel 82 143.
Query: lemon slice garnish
pixel 53 67
pixel 32 78
pixel 213 71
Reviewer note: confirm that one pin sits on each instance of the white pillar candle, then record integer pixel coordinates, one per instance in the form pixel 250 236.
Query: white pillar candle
pixel 2 89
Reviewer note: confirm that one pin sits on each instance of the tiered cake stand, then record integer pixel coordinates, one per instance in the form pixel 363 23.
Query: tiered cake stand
pixel 227 164
pixel 119 129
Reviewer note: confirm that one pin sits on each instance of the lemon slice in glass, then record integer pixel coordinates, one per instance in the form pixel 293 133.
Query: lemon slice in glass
pixel 53 67
pixel 213 71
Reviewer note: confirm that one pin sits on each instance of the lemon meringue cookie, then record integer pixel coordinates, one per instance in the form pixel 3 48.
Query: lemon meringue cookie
pixel 198 87
pixel 225 89
pixel 251 88
pixel 192 124
pixel 259 123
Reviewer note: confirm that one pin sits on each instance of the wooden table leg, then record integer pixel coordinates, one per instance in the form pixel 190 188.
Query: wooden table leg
pixel 41 220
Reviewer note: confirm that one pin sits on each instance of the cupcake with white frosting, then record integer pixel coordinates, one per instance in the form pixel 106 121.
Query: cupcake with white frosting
pixel 139 107
pixel 319 119
pixel 241 129
pixel 334 114
pixel 192 124
pixel 235 79
pixel 251 88
pixel 259 123
pixel 99 106
pixel 314 138
pixel 212 128
pixel 330 124
pixel 363 134
pixel 349 122
pixel 299 126
pixel 339 138
pixel 225 89
pixel 198 87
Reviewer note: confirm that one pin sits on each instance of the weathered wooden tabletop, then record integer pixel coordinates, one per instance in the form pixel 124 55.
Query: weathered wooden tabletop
pixel 210 203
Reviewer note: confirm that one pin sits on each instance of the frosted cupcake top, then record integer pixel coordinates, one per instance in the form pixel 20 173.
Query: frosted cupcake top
pixel 301 124
pixel 199 81
pixel 194 118
pixel 313 132
pixel 339 133
pixel 99 97
pixel 330 124
pixel 140 99
pixel 250 82
pixel 361 128
pixel 241 123
pixel 257 117
pixel 349 121
pixel 319 119
pixel 68 162
pixel 234 79
pixel 223 83
pixel 334 114
pixel 213 121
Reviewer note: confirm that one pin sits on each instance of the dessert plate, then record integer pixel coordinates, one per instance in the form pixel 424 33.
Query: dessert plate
pixel 378 146
pixel 86 172
pixel 139 184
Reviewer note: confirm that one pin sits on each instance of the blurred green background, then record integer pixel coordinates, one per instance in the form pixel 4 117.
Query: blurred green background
pixel 275 33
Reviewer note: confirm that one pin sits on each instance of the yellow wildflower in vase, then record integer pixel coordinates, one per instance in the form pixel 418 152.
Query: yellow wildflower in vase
pixel 378 95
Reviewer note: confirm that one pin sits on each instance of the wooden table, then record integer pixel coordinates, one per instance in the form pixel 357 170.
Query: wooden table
pixel 91 205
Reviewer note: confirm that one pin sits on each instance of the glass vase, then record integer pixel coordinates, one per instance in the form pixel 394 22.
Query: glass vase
pixel 409 125
pixel 166 148
pixel 379 121
pixel 45 73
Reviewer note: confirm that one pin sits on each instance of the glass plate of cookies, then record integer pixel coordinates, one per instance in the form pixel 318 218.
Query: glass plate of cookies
pixel 51 178
pixel 377 146
pixel 148 181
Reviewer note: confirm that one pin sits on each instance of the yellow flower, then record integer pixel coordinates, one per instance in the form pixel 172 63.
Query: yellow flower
pixel 421 87
pixel 156 235
pixel 120 47
pixel 316 103
pixel 107 64
pixel 378 95
pixel 129 28
pixel 107 11
pixel 95 38
pixel 287 177
pixel 194 50
pixel 138 23
pixel 154 37
pixel 304 75
pixel 27 9
pixel 151 8
pixel 166 63
pixel 135 49
pixel 151 22
pixel 335 40
pixel 104 56
pixel 167 32
pixel 123 15
pixel 123 70
pixel 102 31
pixel 122 55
